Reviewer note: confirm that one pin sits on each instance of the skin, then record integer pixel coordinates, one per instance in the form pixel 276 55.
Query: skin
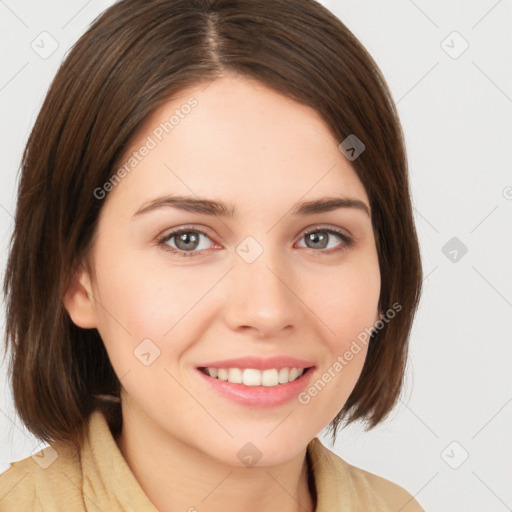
pixel 249 146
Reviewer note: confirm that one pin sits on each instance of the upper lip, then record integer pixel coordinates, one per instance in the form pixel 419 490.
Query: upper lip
pixel 259 363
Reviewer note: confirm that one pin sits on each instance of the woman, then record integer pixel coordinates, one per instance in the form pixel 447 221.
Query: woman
pixel 214 258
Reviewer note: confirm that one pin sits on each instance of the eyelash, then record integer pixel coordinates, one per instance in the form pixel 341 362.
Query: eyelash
pixel 161 242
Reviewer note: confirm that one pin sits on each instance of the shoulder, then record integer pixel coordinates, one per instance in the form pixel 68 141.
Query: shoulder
pixel 39 482
pixel 340 483
pixel 391 494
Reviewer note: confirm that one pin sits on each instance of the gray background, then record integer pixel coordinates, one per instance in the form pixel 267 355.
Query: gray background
pixel 448 441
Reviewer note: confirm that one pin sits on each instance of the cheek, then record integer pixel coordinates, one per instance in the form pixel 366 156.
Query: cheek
pixel 348 308
pixel 142 299
pixel 134 288
pixel 347 300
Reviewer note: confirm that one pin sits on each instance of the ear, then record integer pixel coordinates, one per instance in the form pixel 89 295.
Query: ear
pixel 79 302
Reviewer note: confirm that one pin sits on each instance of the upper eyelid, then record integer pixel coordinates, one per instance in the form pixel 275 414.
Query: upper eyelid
pixel 185 229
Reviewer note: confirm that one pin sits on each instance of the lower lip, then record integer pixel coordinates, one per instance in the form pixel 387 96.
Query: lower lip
pixel 259 396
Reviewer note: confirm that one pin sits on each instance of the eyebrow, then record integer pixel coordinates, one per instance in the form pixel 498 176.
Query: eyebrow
pixel 211 207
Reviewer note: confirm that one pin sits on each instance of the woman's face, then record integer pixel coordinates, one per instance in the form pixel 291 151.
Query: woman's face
pixel 264 279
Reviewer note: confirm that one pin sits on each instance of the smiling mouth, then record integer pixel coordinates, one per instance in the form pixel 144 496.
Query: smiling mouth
pixel 253 377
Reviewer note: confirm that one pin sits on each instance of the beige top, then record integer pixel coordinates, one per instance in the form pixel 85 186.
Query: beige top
pixel 101 480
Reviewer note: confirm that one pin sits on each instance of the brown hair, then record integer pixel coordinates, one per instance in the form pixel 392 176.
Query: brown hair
pixel 132 59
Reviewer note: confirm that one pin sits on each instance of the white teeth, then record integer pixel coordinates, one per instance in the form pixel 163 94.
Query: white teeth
pixel 269 378
pixel 253 377
pixel 235 375
pixel 283 375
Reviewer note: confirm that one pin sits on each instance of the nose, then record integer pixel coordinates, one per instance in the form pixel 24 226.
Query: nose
pixel 261 297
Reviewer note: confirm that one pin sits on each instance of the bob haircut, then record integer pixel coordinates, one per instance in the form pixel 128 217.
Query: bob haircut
pixel 133 59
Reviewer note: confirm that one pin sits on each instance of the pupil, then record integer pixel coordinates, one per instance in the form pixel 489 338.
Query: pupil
pixel 187 239
pixel 313 237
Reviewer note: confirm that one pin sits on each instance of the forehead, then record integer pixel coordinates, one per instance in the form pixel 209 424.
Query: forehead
pixel 238 140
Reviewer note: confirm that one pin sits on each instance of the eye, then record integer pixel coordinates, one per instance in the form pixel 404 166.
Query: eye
pixel 321 238
pixel 188 242
pixel 184 242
